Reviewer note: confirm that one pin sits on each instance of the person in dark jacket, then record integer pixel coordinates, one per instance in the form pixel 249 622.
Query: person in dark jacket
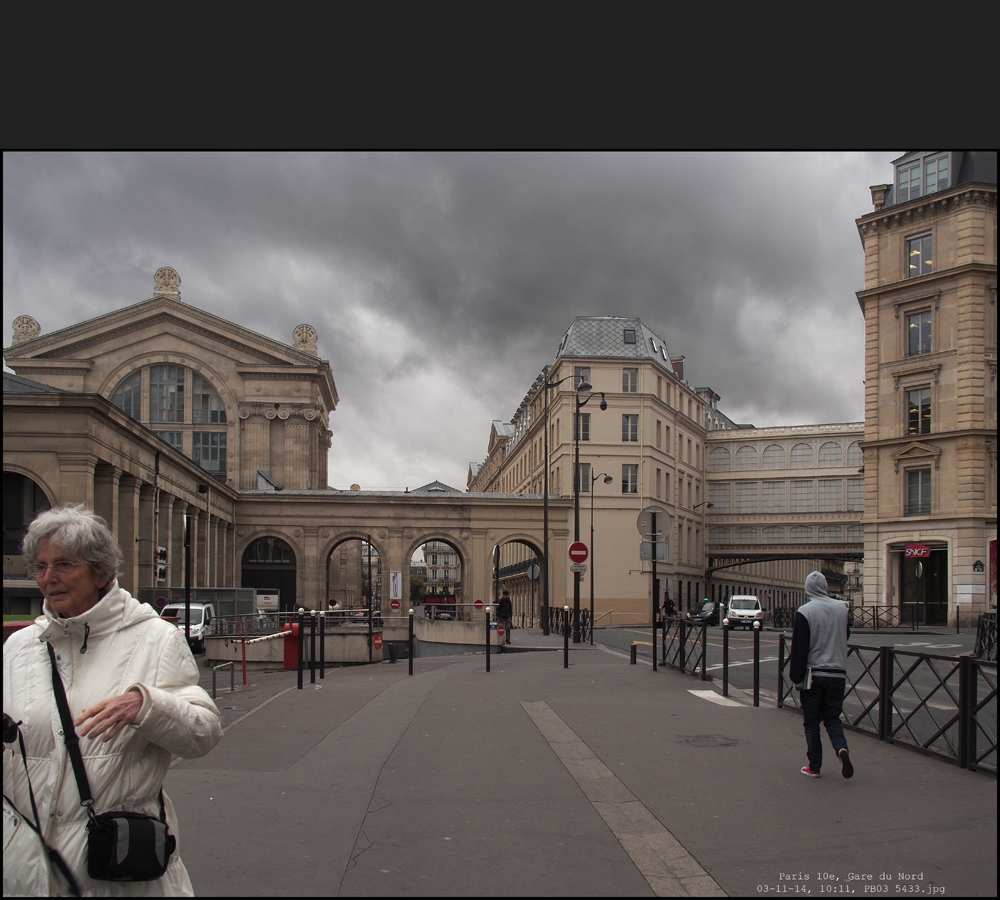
pixel 505 615
pixel 818 668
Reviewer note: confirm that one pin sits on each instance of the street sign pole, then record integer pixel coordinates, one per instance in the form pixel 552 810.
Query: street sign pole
pixel 655 598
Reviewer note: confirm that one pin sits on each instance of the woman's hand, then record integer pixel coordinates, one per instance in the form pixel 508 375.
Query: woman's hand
pixel 110 716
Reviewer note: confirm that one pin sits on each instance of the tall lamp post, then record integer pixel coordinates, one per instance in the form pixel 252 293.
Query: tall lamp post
pixel 584 387
pixel 607 480
pixel 545 506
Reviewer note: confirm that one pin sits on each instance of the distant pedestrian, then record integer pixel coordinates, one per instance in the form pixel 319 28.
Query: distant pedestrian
pixel 669 611
pixel 818 668
pixel 505 615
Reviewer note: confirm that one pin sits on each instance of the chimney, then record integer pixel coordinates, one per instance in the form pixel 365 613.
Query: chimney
pixel 878 195
pixel 678 363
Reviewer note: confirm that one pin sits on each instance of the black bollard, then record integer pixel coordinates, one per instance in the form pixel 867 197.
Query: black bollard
pixel 566 638
pixel 411 641
pixel 302 636
pixel 756 663
pixel 322 645
pixel 631 654
pixel 725 657
pixel 312 647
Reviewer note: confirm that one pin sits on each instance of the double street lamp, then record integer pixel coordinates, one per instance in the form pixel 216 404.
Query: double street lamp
pixel 584 387
pixel 593 480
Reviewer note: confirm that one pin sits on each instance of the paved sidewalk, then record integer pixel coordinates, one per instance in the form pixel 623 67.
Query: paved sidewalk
pixel 603 778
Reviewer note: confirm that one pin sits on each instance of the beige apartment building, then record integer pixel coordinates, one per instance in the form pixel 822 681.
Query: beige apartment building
pixel 646 439
pixel 930 448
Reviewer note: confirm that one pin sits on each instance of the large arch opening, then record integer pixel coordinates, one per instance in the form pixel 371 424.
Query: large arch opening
pixel 23 499
pixel 436 581
pixel 520 571
pixel 354 575
pixel 269 566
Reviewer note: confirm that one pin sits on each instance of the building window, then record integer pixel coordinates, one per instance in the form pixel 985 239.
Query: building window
pixel 166 394
pixel 720 494
pixel 128 396
pixel 209 451
pixel 918 256
pixel 746 458
pixel 773 457
pixel 918 492
pixel 801 496
pixel 935 174
pixel 630 479
pixel 918 411
pixel 174 438
pixel 918 333
pixel 802 456
pixel 629 335
pixel 207 407
pixel 582 427
pixel 583 479
pixel 830 495
pixel 746 497
pixel 772 496
pixel 630 381
pixel 909 182
pixel 581 374
pixel 719 460
pixel 855 494
pixel 630 428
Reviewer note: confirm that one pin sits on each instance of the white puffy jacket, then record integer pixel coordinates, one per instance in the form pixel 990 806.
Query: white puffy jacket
pixel 116 645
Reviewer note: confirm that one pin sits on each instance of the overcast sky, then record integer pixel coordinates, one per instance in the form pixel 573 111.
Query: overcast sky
pixel 441 283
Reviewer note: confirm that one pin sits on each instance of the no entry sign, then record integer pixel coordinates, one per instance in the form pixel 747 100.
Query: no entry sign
pixel 578 552
pixel 377 641
pixel 479 604
pixel 394 604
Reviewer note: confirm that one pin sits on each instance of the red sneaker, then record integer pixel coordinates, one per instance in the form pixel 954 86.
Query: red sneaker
pixel 807 771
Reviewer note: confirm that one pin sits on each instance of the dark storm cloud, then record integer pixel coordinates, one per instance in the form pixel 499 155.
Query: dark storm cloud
pixel 441 283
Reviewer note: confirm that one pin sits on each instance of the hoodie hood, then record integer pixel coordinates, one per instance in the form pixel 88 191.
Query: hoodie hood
pixel 115 610
pixel 816 586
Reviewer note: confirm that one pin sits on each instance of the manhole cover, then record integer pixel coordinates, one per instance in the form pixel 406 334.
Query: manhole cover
pixel 707 740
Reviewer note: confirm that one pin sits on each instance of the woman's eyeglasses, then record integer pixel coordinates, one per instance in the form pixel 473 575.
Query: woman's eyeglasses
pixel 61 568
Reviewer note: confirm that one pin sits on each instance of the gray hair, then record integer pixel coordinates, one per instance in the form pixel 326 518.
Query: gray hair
pixel 76 531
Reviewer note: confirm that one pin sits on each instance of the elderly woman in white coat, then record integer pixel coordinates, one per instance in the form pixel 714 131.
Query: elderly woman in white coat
pixel 132 687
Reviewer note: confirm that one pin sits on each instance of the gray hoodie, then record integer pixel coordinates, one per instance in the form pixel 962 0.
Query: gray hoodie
pixel 819 640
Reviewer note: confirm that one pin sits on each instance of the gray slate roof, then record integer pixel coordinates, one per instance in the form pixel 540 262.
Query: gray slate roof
pixel 977 167
pixel 604 337
pixel 15 384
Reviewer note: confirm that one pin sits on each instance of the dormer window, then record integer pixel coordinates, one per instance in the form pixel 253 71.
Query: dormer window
pixel 922 175
pixel 629 335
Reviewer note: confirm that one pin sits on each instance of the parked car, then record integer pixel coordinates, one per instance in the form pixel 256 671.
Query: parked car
pixel 709 614
pixel 202 621
pixel 744 609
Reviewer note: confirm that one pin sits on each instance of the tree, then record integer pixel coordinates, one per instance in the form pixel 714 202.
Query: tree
pixel 418 587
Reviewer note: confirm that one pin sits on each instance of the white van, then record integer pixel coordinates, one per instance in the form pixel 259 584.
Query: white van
pixel 202 621
pixel 744 609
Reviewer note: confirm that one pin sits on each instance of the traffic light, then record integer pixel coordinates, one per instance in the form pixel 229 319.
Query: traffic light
pixel 161 563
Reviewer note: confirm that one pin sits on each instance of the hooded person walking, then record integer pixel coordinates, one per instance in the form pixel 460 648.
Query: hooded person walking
pixel 818 668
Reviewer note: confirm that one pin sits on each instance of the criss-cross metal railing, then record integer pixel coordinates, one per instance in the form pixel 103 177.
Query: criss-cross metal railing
pixel 940 705
pixel 685 646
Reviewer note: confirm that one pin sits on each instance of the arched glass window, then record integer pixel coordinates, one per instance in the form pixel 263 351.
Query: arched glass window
pixel 773 534
pixel 207 407
pixel 800 534
pixel 831 534
pixel 269 550
pixel 802 456
pixel 128 395
pixel 831 454
pixel 774 457
pixel 746 535
pixel 166 394
pixel 854 455
pixel 719 460
pixel 718 536
pixel 746 458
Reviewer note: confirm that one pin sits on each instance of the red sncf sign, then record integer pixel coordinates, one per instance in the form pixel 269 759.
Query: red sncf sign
pixel 916 551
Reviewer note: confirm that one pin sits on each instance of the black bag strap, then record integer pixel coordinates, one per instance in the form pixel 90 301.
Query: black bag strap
pixel 70 736
pixel 73 743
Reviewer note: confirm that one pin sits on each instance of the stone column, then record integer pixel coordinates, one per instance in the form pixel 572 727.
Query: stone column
pixel 297 471
pixel 175 549
pixel 145 545
pixel 128 530
pixel 106 482
pixel 76 478
pixel 255 446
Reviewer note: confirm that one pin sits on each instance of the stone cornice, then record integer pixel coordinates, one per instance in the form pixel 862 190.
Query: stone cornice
pixel 927 208
pixel 924 286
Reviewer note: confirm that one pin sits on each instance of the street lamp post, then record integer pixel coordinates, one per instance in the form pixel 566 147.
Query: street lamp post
pixel 545 507
pixel 583 387
pixel 607 480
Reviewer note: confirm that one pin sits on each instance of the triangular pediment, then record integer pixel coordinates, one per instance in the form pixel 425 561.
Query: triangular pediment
pixel 916 451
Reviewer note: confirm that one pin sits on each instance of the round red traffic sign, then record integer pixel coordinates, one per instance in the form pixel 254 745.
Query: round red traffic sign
pixel 501 629
pixel 578 552
pixel 394 604
pixel 377 641
pixel 479 604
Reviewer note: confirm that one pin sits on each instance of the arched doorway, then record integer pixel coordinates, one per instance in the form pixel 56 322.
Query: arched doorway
pixel 269 565
pixel 436 581
pixel 353 575
pixel 23 499
pixel 519 573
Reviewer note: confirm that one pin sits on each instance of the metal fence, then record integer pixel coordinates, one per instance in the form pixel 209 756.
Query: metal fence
pixel 943 706
pixel 986 637
pixel 684 646
pixel 560 618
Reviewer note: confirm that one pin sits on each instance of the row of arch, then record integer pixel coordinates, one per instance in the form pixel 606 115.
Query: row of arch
pixel 802 456
pixel 793 534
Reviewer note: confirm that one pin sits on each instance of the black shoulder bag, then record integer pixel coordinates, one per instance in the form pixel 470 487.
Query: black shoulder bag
pixel 121 846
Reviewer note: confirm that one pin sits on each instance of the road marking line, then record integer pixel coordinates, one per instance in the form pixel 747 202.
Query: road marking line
pixel 715 698
pixel 667 867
